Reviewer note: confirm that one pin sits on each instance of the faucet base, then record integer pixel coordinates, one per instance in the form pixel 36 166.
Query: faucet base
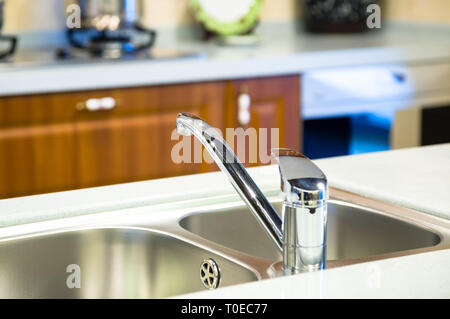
pixel 304 242
pixel 317 253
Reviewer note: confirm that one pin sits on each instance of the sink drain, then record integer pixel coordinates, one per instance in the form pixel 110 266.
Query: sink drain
pixel 210 274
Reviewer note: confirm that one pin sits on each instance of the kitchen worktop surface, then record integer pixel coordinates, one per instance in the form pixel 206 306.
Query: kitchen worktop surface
pixel 282 50
pixel 417 178
pixel 418 276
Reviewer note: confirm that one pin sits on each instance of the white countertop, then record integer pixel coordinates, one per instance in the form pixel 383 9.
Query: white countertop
pixel 424 275
pixel 417 178
pixel 282 51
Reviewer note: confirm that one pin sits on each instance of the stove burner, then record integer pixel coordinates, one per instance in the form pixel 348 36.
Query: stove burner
pixel 111 44
pixel 12 45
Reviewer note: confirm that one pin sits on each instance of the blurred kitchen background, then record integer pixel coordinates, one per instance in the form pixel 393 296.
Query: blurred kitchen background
pixel 45 15
pixel 97 105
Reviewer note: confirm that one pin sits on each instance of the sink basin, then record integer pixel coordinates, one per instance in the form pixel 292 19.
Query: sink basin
pixel 354 233
pixel 114 263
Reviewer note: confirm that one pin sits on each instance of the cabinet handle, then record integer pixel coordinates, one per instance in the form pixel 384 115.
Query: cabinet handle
pixel 244 103
pixel 95 105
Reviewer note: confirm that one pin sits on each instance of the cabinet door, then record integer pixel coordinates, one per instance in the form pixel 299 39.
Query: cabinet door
pixel 37 159
pixel 274 104
pixel 131 148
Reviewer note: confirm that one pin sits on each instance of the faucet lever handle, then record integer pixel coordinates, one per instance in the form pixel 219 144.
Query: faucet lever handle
pixel 301 180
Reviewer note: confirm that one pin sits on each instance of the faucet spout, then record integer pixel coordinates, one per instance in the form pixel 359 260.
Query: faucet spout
pixel 189 124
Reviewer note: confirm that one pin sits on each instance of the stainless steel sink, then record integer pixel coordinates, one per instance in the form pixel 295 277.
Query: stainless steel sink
pixel 355 233
pixel 114 263
pixel 140 253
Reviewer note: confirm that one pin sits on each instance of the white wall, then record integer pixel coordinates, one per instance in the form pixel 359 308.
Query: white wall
pixel 48 15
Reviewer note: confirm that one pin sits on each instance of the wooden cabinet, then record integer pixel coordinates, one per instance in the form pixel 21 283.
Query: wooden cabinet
pixel 53 142
pixel 37 159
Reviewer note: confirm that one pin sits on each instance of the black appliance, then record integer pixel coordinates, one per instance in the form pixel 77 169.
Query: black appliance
pixel 331 16
pixel 8 44
pixel 11 44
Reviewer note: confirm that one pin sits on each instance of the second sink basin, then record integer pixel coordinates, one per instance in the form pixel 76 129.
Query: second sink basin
pixel 353 232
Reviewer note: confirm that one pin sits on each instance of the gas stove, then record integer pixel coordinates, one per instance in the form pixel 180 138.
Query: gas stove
pixel 109 44
pixel 67 55
pixel 90 47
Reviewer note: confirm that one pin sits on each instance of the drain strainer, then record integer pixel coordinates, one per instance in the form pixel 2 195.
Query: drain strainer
pixel 210 274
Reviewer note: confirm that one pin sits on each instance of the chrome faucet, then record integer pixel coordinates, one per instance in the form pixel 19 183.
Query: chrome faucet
pixel 301 236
